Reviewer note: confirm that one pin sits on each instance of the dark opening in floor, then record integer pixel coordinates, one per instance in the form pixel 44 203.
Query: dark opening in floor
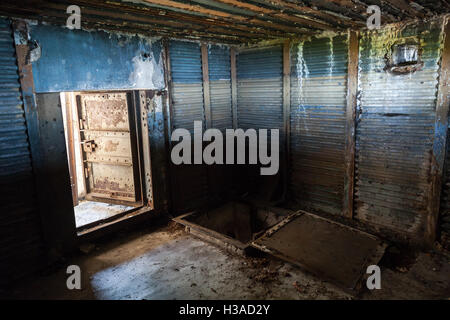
pixel 237 220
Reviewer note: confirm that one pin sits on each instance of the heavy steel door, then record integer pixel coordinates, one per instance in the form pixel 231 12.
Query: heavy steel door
pixel 109 145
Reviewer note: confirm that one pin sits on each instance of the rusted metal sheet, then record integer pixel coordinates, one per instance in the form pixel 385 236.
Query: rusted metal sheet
pixel 260 89
pixel 220 87
pixel 206 89
pixel 260 106
pixel 107 143
pixel 222 21
pixel 440 137
pixel 395 130
pixel 442 115
pixel 58 219
pixel 21 240
pixel 69 135
pixel 187 84
pixel 147 106
pixel 234 98
pixel 219 67
pixel 350 125
pixel 317 121
pixel 328 249
pixel 286 112
pixel 190 182
pixel 444 216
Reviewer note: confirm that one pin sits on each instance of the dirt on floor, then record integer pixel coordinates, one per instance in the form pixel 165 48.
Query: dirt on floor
pixel 168 263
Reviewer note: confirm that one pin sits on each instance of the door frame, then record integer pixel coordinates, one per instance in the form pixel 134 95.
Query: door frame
pixel 140 152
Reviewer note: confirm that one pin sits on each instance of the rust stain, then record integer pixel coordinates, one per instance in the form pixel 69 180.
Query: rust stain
pixel 107 114
pixel 106 184
pixel 111 146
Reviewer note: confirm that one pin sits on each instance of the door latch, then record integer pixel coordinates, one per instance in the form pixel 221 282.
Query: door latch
pixel 89 146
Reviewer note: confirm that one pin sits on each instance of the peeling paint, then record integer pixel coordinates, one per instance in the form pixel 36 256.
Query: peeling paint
pixel 147 74
pixel 302 72
pixel 396 129
pixel 119 61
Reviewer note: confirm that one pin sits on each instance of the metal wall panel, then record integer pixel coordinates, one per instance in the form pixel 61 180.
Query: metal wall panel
pixel 111 60
pixel 259 106
pixel 260 89
pixel 190 185
pixel 187 81
pixel 318 104
pixel 21 243
pixel 444 219
pixel 395 129
pixel 219 65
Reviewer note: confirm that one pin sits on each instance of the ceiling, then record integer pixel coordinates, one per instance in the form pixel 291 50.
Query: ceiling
pixel 226 21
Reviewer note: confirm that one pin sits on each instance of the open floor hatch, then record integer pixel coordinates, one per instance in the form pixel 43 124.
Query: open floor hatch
pixel 333 251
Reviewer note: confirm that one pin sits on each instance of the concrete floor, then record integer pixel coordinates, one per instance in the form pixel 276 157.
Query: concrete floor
pixel 167 263
pixel 89 211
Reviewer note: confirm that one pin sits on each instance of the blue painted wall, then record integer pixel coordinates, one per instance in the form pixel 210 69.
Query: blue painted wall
pixel 77 60
pixel 74 60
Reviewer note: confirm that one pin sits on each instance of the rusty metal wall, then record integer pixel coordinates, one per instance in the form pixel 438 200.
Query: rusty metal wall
pixel 260 89
pixel 187 84
pixel 21 243
pixel 219 65
pixel 259 106
pixel 111 61
pixel 444 219
pixel 318 104
pixel 190 184
pixel 395 129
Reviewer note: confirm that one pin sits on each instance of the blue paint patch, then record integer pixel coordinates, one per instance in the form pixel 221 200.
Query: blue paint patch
pixel 185 62
pixel 219 63
pixel 260 64
pixel 334 63
pixel 75 60
pixel 439 141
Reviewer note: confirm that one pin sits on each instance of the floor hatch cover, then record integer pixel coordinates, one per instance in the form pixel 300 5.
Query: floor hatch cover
pixel 328 249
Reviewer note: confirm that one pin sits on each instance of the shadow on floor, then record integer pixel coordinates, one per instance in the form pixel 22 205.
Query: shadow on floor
pixel 167 263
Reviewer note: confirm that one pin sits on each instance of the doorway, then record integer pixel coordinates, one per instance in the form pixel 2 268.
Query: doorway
pixel 104 155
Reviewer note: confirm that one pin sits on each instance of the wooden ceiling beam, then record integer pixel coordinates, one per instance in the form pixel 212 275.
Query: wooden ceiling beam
pixel 216 14
pixel 318 14
pixel 90 22
pixel 189 18
pixel 405 7
pixel 344 8
pixel 151 15
pixel 262 11
pixel 260 20
pixel 132 18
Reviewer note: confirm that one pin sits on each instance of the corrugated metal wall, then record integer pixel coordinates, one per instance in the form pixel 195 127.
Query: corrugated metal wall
pixel 190 187
pixel 395 130
pixel 444 219
pixel 21 243
pixel 111 60
pixel 187 84
pixel 318 104
pixel 219 65
pixel 259 106
pixel 260 89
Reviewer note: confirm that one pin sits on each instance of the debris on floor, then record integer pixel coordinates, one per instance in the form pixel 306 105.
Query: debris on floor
pixel 174 227
pixel 142 265
pixel 87 248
